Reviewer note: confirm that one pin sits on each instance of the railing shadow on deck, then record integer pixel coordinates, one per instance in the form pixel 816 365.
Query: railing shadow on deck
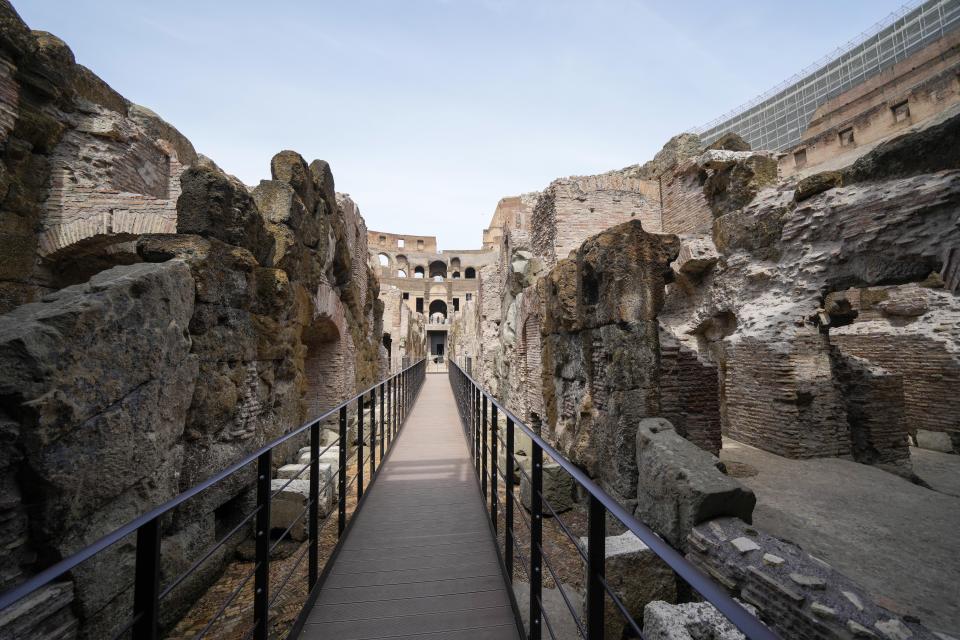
pixel 480 416
pixel 396 394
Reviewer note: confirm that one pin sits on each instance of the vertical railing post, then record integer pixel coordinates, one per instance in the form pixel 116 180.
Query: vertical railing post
pixel 261 580
pixel 342 475
pixel 468 389
pixel 508 514
pixel 359 448
pixel 383 437
pixel 314 570
pixel 494 464
pixel 476 428
pixel 373 432
pixel 596 543
pixel 146 588
pixel 483 448
pixel 536 540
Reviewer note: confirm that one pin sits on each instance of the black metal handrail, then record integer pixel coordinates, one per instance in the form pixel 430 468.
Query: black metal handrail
pixel 473 403
pixel 396 393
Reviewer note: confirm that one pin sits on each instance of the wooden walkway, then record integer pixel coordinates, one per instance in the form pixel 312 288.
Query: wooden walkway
pixel 419 561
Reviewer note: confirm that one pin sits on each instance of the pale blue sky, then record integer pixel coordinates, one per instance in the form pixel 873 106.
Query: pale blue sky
pixel 429 111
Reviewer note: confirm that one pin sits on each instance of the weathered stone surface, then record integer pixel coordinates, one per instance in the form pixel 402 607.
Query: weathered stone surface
pixel 102 368
pixel 680 485
pixel 43 615
pixel 934 441
pixel 817 183
pixel 600 343
pixel 687 621
pixel 935 148
pixel 558 488
pixel 287 509
pixel 696 256
pixel 213 204
pixel 797 597
pixel 637 575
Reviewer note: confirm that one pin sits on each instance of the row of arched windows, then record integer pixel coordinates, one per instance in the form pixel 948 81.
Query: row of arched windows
pixel 437 273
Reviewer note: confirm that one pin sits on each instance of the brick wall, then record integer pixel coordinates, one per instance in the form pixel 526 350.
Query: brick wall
pixel 689 393
pixel 573 209
pixel 109 179
pixel 875 410
pixel 785 400
pixel 685 206
pixel 931 375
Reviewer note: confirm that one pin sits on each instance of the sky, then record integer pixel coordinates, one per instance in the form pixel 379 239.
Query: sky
pixel 430 111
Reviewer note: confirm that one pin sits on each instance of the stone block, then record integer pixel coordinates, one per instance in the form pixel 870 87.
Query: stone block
pixel 934 440
pixel 637 575
pixel 680 485
pixel 687 621
pixel 697 255
pixel 299 471
pixel 557 488
pixel 42 615
pixel 287 507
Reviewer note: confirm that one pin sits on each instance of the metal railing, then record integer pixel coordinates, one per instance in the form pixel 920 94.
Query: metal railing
pixel 480 413
pixel 396 395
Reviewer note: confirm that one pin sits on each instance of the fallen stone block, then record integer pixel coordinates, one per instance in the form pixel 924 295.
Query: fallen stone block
pixel 557 488
pixel 637 576
pixel 680 485
pixel 287 507
pixel 687 621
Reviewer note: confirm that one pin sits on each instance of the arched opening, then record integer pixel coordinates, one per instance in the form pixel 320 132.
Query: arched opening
pixel 456 275
pixel 418 272
pixel 470 273
pixel 322 366
pixel 384 260
pixel 438 311
pixel 438 278
pixel 438 268
pixel 401 273
pixel 387 343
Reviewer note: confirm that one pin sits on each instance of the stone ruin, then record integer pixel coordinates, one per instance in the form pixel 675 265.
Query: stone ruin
pixel 809 318
pixel 160 319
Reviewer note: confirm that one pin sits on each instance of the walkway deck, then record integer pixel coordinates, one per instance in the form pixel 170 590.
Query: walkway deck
pixel 419 561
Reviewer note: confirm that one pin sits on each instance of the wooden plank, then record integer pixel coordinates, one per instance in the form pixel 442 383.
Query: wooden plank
pixel 419 561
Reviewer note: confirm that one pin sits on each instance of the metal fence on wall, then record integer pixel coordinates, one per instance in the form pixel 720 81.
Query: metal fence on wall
pixel 777 119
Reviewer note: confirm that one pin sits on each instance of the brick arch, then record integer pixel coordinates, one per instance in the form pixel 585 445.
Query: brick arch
pixel 114 224
pixel 328 365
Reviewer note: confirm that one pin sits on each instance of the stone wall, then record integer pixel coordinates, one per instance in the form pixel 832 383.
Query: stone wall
pixel 207 319
pixel 601 349
pixel 572 209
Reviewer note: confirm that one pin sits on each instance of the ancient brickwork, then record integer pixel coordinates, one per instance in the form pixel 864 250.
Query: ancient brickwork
pixel 685 206
pixel 575 208
pixel 689 393
pixel 930 375
pixel 798 595
pixel 874 401
pixel 786 402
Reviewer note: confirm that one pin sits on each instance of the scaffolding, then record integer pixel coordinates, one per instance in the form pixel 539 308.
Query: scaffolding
pixel 777 118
